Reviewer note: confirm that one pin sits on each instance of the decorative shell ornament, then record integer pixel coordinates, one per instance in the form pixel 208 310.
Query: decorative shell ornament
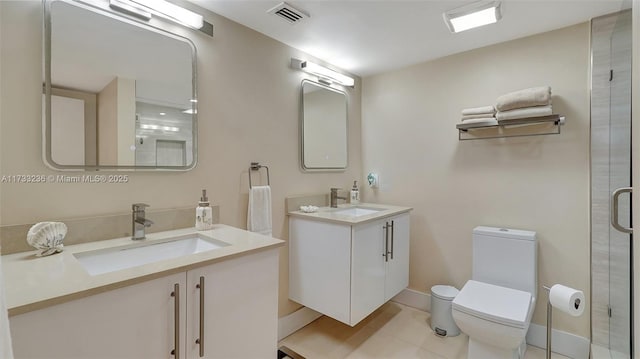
pixel 47 236
pixel 308 209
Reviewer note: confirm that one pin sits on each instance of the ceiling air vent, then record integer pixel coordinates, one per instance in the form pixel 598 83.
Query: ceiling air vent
pixel 288 13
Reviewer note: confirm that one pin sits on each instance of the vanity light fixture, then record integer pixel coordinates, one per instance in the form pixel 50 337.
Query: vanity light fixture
pixel 145 9
pixel 324 74
pixel 129 9
pixel 173 12
pixel 473 15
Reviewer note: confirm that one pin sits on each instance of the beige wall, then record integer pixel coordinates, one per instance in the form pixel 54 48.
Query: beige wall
pixel 108 124
pixel 537 183
pixel 117 122
pixel 126 105
pixel 248 111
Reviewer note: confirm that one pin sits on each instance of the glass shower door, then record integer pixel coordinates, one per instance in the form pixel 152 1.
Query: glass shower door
pixel 611 267
pixel 620 240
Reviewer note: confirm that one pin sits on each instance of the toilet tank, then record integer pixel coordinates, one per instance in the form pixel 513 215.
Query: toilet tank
pixel 506 257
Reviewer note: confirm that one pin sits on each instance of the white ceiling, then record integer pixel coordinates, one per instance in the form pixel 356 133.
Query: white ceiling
pixel 367 37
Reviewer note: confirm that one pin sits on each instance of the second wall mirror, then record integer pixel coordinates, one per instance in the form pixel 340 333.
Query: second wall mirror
pixel 324 128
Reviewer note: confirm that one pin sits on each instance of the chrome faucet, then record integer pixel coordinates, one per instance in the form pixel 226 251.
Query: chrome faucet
pixel 138 222
pixel 335 197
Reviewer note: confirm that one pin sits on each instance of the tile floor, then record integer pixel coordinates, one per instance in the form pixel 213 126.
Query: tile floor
pixel 598 352
pixel 393 331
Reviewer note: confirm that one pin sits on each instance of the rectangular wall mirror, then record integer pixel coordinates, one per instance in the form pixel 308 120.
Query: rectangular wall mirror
pixel 118 94
pixel 324 128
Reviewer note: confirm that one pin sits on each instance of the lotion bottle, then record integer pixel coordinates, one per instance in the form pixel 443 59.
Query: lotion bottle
pixel 204 213
pixel 355 194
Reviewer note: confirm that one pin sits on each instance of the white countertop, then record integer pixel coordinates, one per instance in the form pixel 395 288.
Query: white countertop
pixel 37 282
pixel 328 214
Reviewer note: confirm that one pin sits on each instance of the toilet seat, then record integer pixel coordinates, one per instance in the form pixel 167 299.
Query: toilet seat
pixel 505 306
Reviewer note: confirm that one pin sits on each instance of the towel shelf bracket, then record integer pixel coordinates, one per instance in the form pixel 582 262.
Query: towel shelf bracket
pixel 504 129
pixel 256 166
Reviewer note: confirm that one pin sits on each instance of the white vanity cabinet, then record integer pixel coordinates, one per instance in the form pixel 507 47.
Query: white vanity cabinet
pixel 239 317
pixel 241 308
pixel 346 271
pixel 131 322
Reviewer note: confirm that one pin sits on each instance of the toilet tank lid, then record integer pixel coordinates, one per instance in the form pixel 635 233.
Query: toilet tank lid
pixel 505 232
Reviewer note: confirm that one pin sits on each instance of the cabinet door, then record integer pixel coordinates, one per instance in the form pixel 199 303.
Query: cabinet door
pixel 240 308
pixel 131 322
pixel 367 269
pixel 320 266
pixel 397 277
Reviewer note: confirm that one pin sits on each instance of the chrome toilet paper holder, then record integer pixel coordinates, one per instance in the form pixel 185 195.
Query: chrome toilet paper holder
pixel 549 310
pixel 549 318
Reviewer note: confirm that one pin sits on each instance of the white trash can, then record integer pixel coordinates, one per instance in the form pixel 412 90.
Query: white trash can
pixel 441 318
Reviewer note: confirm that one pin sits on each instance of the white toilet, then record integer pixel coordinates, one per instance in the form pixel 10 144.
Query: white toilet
pixel 494 308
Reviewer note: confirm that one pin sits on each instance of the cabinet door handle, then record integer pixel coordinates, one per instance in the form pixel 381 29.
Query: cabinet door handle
pixel 200 340
pixel 386 242
pixel 176 325
pixel 392 230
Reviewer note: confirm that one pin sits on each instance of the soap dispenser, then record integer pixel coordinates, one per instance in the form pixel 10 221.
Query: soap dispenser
pixel 204 213
pixel 355 194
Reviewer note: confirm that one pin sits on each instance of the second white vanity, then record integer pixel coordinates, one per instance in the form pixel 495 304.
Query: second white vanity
pixel 346 262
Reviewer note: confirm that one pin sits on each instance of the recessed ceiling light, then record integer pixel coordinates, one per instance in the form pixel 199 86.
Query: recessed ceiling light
pixel 162 113
pixel 473 15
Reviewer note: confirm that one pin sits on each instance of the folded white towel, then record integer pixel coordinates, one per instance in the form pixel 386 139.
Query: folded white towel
pixel 535 96
pixel 259 212
pixel 5 335
pixel 536 111
pixel 478 122
pixel 472 117
pixel 479 111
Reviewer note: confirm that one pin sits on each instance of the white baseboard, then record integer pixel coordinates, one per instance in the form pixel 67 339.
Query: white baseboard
pixel 293 322
pixel 563 343
pixel 567 344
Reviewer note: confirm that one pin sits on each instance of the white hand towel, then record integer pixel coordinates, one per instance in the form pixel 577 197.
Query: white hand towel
pixel 536 111
pixel 535 96
pixel 5 336
pixel 478 122
pixel 473 117
pixel 479 111
pixel 259 212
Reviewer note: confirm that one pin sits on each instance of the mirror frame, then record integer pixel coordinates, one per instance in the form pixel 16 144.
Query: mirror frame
pixel 46 120
pixel 346 115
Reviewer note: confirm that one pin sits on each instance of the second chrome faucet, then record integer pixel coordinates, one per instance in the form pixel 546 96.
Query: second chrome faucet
pixel 138 221
pixel 335 197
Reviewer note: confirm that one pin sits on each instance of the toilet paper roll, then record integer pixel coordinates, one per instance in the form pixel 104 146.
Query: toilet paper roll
pixel 568 300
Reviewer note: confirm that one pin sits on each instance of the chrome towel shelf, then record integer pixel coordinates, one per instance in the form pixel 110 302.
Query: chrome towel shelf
pixel 505 128
pixel 256 166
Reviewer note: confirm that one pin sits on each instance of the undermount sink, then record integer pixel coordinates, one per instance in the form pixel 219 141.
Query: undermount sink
pixel 113 259
pixel 357 211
